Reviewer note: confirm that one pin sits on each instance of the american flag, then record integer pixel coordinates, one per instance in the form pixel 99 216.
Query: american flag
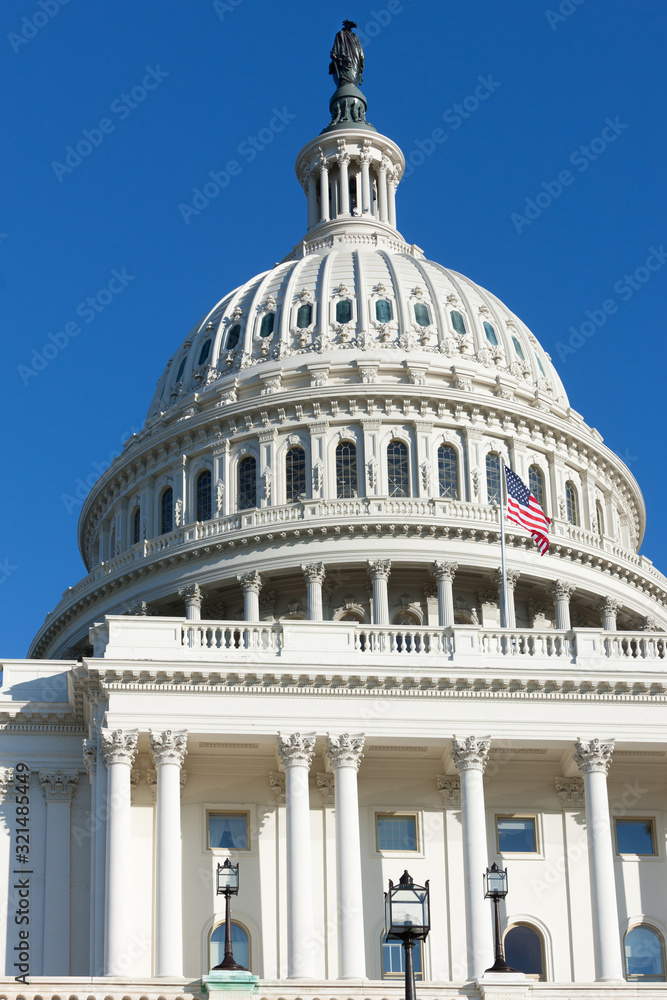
pixel 524 510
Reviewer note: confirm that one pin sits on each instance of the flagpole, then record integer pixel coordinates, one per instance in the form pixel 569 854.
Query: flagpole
pixel 503 501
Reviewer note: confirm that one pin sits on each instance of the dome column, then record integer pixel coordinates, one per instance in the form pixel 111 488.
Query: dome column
pixel 168 751
pixel 470 758
pixel 344 755
pixel 561 593
pixel 193 599
pixel 365 160
pixel 444 576
pixel 295 753
pixel 312 199
pixel 593 758
pixel 511 577
pixel 251 584
pixel 314 574
pixel 119 749
pixel 608 609
pixel 392 183
pixel 343 161
pixel 324 188
pixel 378 570
pixel 382 190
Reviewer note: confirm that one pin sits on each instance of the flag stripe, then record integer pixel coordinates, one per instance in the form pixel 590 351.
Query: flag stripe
pixel 524 510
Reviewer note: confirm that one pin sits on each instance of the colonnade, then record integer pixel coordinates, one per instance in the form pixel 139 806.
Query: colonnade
pixel 334 174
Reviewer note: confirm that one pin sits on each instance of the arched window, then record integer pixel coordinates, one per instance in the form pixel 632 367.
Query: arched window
pixel 599 516
pixel 204 353
pixel 240 945
pixel 571 503
pixel 393 959
pixel 295 474
pixel 490 334
pixel 346 470
pixel 352 616
pixel 247 483
pixel 304 316
pixel 536 484
pixel 233 337
pixel 422 315
pixel 136 525
pixel 204 496
pixel 644 955
pixel 167 511
pixel 448 472
pixel 493 491
pixel 344 310
pixel 524 950
pixel 518 348
pixel 266 327
pixel 383 312
pixel 181 368
pixel 397 469
pixel 458 323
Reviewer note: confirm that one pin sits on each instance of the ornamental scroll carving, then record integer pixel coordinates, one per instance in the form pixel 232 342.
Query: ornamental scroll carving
pixel 118 746
pixel 169 747
pixel 344 751
pixel 450 791
pixel 277 782
pixel 593 756
pixel 379 569
pixel 314 572
pixel 444 570
pixel 570 791
pixel 7 787
pixel 470 753
pixel 90 757
pixel 295 749
pixel 250 582
pixel 58 786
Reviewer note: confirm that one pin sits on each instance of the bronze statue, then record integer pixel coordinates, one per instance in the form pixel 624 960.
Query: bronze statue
pixel 347 56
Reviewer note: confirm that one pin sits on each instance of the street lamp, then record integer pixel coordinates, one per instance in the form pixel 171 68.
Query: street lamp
pixel 227 885
pixel 407 918
pixel 495 886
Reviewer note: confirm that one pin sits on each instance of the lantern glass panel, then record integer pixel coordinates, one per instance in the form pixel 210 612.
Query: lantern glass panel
pixel 228 878
pixel 408 910
pixel 496 882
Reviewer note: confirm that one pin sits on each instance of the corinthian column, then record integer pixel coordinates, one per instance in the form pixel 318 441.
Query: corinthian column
pixel 118 751
pixel 344 755
pixel 58 787
pixel 511 577
pixel 593 758
pixel 295 753
pixel 378 570
pixel 193 597
pixel 444 575
pixel 608 609
pixel 314 574
pixel 561 592
pixel 251 584
pixel 470 757
pixel 168 750
pixel 324 189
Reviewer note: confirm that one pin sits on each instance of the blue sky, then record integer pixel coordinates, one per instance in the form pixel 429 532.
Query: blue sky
pixel 98 261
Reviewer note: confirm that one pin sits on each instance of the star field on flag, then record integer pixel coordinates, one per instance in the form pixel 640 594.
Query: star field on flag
pixel 524 510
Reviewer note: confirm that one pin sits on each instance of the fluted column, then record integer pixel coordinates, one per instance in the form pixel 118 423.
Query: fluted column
pixel 608 609
pixel 378 570
pixel 312 199
pixel 193 597
pixel 511 577
pixel 251 584
pixel 119 749
pixel 382 190
pixel 295 753
pixel 470 758
pixel 561 592
pixel 444 575
pixel 314 574
pixel 168 750
pixel 324 190
pixel 58 787
pixel 365 159
pixel 90 761
pixel 391 178
pixel 344 755
pixel 343 161
pixel 593 757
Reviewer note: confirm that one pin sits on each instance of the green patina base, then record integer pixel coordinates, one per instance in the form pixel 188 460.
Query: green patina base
pixel 219 981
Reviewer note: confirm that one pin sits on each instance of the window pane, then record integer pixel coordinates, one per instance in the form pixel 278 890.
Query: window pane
pixel 397 833
pixel 167 511
pixel 516 833
pixel 233 336
pixel 240 946
pixel 421 314
pixel 635 836
pixel 397 469
pixel 383 311
pixel 523 950
pixel 393 959
pixel 204 353
pixel 228 831
pixel 571 503
pixel 179 376
pixel 600 518
pixel 493 478
pixel 295 474
pixel 490 334
pixel 204 496
pixel 643 954
pixel 459 323
pixel 304 316
pixel 540 365
pixel 448 472
pixel 266 329
pixel 346 470
pixel 344 311
pixel 136 526
pixel 536 484
pixel 518 348
pixel 247 483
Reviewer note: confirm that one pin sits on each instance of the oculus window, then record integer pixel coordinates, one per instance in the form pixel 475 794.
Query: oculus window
pixel 458 323
pixel 519 349
pixel 516 834
pixel 344 311
pixel 383 311
pixel 228 831
pixel 635 836
pixel 422 315
pixel 304 316
pixel 233 336
pixel 240 945
pixel 396 832
pixel 393 959
pixel 490 334
pixel 266 327
pixel 524 950
pixel 644 955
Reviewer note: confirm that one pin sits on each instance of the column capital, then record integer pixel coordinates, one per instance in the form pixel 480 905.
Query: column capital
pixel 250 582
pixel 295 749
pixel 191 594
pixel 444 570
pixel 470 753
pixel 325 786
pixel 449 787
pixel 560 590
pixel 7 787
pixel 593 756
pixel 119 747
pixel 511 577
pixel 344 751
pixel 277 782
pixel 90 757
pixel 570 791
pixel 607 606
pixel 58 786
pixel 379 569
pixel 169 747
pixel 314 572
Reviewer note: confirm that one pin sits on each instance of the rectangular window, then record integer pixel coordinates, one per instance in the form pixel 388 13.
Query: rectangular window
pixel 396 832
pixel 635 836
pixel 516 834
pixel 228 831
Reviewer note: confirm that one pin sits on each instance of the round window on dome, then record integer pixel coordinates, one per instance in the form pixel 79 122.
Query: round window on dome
pixel 490 334
pixel 344 311
pixel 304 316
pixel 519 349
pixel 458 323
pixel 540 366
pixel 383 311
pixel 233 337
pixel 204 353
pixel 422 315
pixel 266 328
pixel 181 368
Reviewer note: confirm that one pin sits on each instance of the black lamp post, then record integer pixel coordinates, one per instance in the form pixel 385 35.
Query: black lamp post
pixel 407 918
pixel 495 886
pixel 227 885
